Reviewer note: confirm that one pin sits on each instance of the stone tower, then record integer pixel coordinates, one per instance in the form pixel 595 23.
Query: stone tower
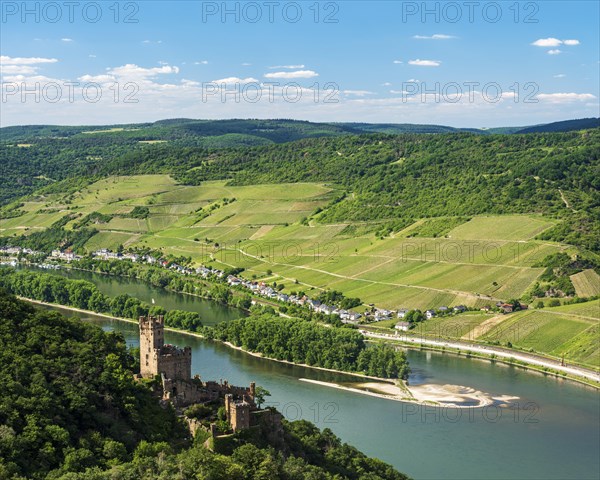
pixel 238 413
pixel 156 358
pixel 152 330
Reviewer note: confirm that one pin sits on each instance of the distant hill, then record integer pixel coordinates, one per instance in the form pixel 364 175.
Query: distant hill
pixel 397 128
pixel 564 126
pixel 250 132
pixel 185 132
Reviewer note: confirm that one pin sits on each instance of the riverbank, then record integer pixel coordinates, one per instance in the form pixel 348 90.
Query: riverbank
pixel 520 359
pixel 199 335
pixel 436 395
pixel 431 395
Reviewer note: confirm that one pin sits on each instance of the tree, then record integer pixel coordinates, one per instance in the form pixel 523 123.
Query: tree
pixel 260 393
pixel 415 316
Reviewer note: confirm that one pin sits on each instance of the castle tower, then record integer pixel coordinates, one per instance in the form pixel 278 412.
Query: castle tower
pixel 151 341
pixel 156 358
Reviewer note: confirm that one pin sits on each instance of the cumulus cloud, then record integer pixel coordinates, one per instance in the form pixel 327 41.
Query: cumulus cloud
pixel 133 70
pixel 358 93
pixel 565 97
pixel 17 69
pixel 102 79
pixel 67 40
pixel 296 74
pixel 22 65
pixel 436 36
pixel 547 42
pixel 425 63
pixel 25 60
pixel 398 61
pixel 235 80
pixel 554 51
pixel 554 42
pixel 290 67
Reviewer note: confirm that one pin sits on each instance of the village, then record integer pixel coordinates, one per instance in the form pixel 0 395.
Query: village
pixel 12 256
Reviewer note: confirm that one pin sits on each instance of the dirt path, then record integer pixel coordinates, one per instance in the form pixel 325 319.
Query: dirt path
pixel 483 327
pixel 564 199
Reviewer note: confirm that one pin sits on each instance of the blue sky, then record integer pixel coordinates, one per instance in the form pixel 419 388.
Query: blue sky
pixel 501 63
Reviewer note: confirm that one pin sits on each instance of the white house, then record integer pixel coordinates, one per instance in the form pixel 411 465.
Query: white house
pixel 403 326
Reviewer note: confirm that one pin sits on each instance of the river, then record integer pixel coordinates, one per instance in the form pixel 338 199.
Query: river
pixel 551 431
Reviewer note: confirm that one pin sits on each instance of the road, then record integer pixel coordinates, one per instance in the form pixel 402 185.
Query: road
pixel 488 350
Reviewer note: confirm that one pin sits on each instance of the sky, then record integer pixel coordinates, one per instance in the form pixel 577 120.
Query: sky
pixel 464 64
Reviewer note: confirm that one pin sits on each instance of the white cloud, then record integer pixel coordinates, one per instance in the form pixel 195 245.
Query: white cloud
pixel 290 67
pixel 398 61
pixel 386 84
pixel 17 69
pixel 25 60
pixel 189 83
pixel 436 36
pixel 413 80
pixel 246 64
pixel 133 70
pixel 554 51
pixel 560 75
pixel 425 63
pixel 66 40
pixel 296 74
pixel 565 97
pixel 147 42
pixel 547 42
pixel 102 79
pixel 91 56
pixel 554 42
pixel 201 62
pixel 358 93
pixel 235 80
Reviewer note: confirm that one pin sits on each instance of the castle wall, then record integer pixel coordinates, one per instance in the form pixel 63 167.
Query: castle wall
pixel 175 364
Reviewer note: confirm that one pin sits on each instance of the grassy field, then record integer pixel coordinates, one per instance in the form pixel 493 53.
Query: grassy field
pixel 508 227
pixel 261 228
pixel 586 283
pixel 570 330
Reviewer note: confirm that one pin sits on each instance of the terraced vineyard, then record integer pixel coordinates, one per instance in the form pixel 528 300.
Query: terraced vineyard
pixel 262 228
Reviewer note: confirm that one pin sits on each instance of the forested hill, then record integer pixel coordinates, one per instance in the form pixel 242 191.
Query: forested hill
pixel 71 410
pixel 565 126
pixel 396 179
pixel 36 156
pixel 391 179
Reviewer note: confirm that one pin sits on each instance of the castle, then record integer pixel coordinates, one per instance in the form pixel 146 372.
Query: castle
pixel 174 366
